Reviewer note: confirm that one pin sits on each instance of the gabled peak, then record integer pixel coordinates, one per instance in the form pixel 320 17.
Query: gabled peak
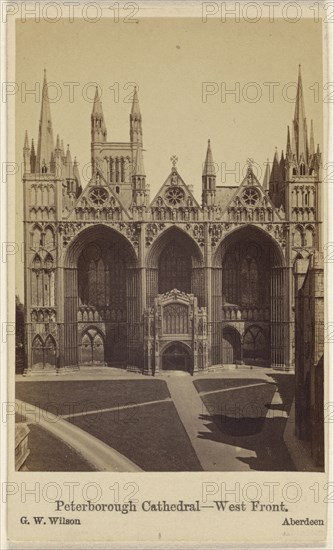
pixel 135 110
pixel 209 167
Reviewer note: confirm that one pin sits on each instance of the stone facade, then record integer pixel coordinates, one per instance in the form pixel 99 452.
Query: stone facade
pixel 113 277
pixel 309 359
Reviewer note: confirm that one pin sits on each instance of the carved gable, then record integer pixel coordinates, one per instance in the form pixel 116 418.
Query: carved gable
pixel 174 201
pixel 250 203
pixel 98 202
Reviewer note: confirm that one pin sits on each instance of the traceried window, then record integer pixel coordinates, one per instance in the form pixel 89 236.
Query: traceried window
pixel 174 269
pixel 249 282
pixel 102 277
pixel 250 196
pixel 174 196
pixel 230 286
pixel 98 196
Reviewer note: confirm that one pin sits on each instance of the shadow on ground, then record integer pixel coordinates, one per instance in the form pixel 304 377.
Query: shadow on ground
pixel 242 420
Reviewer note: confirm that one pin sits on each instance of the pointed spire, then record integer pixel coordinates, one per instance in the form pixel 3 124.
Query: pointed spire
pixel 299 122
pixel 58 147
pixel 288 152
pixel 312 150
pixel 209 167
pixel 45 145
pixel 136 131
pixel 26 142
pixel 139 165
pixel 98 127
pixel 68 164
pixel 135 110
pixel 266 178
pixel 76 175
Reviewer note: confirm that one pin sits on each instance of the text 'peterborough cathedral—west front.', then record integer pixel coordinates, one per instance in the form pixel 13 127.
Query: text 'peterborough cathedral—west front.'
pixel 116 278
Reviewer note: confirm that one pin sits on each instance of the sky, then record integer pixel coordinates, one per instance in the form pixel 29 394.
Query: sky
pixel 182 68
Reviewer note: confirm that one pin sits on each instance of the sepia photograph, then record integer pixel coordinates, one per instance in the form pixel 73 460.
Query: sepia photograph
pixel 168 236
pixel 173 313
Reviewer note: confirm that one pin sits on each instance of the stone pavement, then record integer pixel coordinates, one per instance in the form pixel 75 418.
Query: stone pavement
pixel 213 454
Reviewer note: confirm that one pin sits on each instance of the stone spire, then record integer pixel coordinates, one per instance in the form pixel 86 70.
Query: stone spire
pixel 209 167
pixel 139 164
pixel 208 179
pixel 26 153
pixel 45 147
pixel 266 178
pixel 98 127
pixel 32 157
pixel 312 149
pixel 68 165
pixel 136 130
pixel 299 124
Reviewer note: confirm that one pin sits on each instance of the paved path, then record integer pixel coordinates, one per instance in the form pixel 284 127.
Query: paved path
pixel 97 453
pixel 213 455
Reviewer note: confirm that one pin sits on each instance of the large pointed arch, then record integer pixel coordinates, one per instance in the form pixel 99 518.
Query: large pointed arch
pixel 250 282
pixel 175 249
pixel 101 285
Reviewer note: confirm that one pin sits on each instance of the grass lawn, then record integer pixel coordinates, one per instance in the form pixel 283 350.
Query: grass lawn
pixel 75 396
pixel 152 436
pixel 50 454
pixel 240 415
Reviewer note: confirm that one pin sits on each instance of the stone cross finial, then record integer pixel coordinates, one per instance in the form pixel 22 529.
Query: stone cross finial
pixel 174 160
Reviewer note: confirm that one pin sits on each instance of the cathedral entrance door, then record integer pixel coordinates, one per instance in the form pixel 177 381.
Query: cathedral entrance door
pixel 231 346
pixel 92 348
pixel 176 357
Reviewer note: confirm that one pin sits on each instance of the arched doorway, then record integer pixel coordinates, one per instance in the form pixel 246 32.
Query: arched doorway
pixel 92 348
pixel 176 356
pixel 255 346
pixel 231 346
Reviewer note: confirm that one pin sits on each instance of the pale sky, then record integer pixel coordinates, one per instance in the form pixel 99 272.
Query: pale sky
pixel 169 60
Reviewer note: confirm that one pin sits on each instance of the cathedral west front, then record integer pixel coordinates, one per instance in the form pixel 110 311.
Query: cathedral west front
pixel 116 277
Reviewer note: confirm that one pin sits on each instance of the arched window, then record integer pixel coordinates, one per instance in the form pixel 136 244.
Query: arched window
pixel 249 282
pixel 230 280
pixel 174 269
pixel 102 277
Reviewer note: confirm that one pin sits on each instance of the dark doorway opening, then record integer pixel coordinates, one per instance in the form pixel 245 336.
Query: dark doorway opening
pixel 176 356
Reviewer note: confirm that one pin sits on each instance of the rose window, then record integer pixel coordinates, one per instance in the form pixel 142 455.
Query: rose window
pixel 174 196
pixel 98 196
pixel 250 196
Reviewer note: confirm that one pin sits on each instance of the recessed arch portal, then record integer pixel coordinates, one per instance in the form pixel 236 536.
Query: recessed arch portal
pixel 175 261
pixel 176 356
pixel 250 284
pixel 101 290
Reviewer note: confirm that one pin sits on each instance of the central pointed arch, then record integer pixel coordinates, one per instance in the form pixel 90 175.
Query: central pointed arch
pixel 175 261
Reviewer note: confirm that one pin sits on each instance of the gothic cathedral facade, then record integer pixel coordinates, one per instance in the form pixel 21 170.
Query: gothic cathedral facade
pixel 117 279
